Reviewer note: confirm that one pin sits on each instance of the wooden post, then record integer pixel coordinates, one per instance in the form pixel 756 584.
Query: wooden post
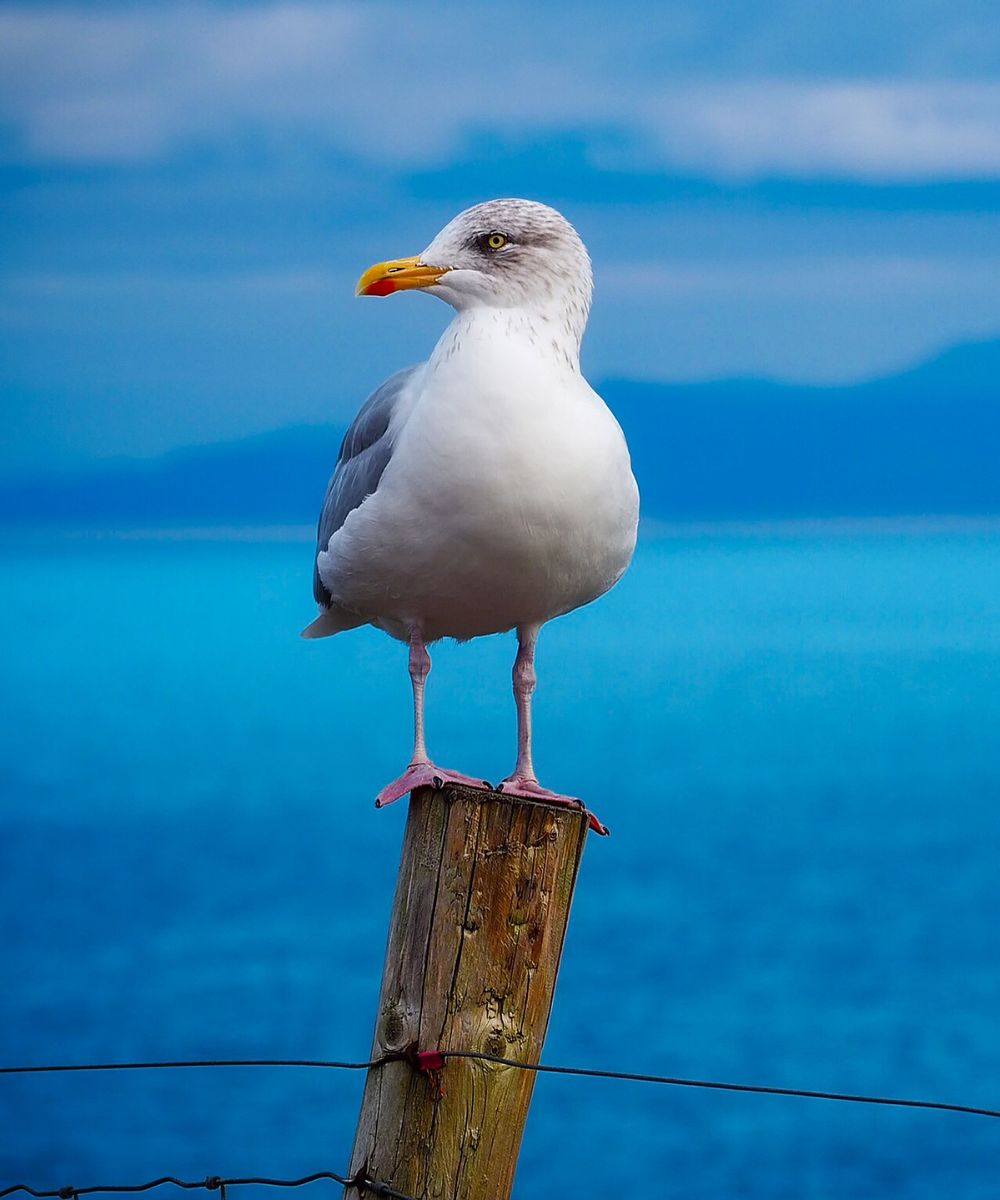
pixel 478 922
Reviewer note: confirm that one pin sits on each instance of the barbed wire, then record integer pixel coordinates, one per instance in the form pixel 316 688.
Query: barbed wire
pixel 430 1063
pixel 433 1061
pixel 213 1183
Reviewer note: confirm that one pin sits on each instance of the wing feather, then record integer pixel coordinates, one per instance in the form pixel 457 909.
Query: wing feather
pixel 364 455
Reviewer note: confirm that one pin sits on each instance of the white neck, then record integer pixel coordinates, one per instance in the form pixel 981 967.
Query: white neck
pixel 553 335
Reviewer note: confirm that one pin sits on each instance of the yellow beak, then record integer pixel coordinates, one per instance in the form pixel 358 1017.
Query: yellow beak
pixel 396 275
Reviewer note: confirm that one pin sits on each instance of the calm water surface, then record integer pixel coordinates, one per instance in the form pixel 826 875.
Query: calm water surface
pixel 794 738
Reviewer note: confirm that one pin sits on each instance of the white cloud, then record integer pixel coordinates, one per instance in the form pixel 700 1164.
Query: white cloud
pixel 125 85
pixel 887 130
pixel 404 85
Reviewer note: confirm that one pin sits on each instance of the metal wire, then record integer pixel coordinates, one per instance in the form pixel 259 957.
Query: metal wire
pixel 418 1061
pixel 717 1085
pixel 211 1183
pixel 588 1072
pixel 206 1062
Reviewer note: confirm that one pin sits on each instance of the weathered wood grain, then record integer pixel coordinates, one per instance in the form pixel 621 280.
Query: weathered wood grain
pixel 482 902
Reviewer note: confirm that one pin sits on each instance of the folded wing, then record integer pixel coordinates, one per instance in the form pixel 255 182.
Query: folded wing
pixel 364 454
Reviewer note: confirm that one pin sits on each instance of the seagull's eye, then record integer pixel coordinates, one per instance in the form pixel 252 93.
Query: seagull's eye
pixel 493 241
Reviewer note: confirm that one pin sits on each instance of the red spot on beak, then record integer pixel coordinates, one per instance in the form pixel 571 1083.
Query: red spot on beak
pixel 381 287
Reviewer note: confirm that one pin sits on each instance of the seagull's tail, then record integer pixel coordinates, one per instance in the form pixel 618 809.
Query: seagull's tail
pixel 332 620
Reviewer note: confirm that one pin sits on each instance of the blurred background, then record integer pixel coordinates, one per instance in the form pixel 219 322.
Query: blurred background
pixel 787 711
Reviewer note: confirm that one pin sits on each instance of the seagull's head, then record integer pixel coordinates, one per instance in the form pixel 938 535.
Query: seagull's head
pixel 501 254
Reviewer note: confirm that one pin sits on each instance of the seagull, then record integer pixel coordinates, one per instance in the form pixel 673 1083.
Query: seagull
pixel 488 488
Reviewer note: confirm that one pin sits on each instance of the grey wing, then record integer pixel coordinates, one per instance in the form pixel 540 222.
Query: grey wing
pixel 364 455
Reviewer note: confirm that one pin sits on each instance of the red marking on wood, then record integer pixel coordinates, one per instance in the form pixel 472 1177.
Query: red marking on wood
pixel 430 1060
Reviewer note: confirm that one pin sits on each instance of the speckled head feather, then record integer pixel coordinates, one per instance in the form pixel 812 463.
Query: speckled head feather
pixel 513 253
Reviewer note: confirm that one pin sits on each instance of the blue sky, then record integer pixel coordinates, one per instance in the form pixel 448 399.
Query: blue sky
pixel 806 191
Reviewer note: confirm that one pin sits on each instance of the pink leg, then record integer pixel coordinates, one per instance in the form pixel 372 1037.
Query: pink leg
pixel 525 680
pixel 421 772
pixel 420 668
pixel 524 781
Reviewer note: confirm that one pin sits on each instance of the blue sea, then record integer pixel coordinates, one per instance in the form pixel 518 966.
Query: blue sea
pixel 793 731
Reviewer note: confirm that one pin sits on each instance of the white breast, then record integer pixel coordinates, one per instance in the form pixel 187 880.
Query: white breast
pixel 509 497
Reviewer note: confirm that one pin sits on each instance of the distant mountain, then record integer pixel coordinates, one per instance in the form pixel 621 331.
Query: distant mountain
pixel 271 478
pixel 927 441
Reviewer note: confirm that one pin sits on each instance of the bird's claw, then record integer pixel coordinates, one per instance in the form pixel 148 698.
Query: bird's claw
pixel 418 775
pixel 422 774
pixel 531 789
